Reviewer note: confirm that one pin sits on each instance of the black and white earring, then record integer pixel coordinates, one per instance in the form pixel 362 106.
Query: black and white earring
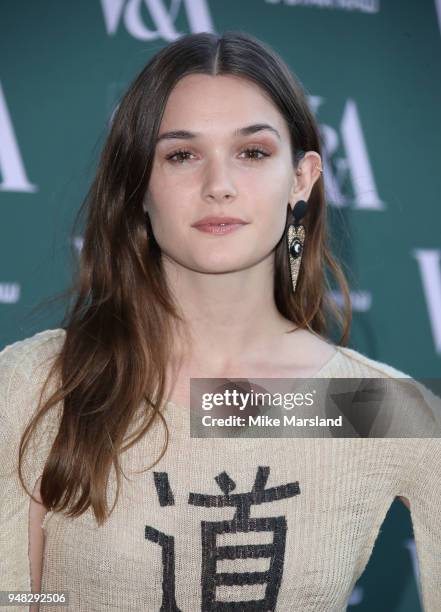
pixel 296 240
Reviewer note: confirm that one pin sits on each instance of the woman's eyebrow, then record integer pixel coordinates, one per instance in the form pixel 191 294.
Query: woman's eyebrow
pixel 244 131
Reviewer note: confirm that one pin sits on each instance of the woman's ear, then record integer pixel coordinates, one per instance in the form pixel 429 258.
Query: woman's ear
pixel 306 174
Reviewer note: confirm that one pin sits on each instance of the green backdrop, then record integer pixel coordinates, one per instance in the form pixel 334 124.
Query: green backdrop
pixel 371 70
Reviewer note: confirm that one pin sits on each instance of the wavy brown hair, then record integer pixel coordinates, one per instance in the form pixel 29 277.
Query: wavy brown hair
pixel 121 320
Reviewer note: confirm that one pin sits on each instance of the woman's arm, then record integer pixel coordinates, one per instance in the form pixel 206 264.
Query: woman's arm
pixel 36 538
pixel 36 541
pixel 423 491
pixel 20 534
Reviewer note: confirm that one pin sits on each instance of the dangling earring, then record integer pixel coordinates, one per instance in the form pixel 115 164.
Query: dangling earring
pixel 296 240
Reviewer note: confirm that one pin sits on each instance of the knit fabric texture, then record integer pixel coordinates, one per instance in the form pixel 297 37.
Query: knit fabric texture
pixel 285 524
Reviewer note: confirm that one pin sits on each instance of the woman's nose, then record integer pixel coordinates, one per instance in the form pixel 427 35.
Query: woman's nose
pixel 218 183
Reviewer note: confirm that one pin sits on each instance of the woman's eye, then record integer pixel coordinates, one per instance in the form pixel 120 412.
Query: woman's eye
pixel 180 156
pixel 253 154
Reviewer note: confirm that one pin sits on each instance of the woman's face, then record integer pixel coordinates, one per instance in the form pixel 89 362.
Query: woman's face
pixel 220 171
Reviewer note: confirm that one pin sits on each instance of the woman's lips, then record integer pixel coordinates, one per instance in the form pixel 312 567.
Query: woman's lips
pixel 219 229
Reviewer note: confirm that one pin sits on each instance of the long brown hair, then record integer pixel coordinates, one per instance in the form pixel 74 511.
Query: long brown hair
pixel 121 321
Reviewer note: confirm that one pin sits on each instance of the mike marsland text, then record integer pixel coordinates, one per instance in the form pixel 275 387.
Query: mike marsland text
pixel 266 421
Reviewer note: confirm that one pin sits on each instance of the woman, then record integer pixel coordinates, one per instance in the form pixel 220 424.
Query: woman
pixel 214 130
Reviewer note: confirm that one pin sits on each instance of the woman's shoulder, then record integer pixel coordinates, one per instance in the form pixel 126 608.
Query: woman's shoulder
pixel 32 350
pixel 352 363
pixel 415 407
pixel 24 367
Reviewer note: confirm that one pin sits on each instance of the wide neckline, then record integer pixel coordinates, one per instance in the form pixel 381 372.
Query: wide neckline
pixel 328 365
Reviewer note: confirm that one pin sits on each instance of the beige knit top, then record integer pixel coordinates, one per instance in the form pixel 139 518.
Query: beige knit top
pixel 285 524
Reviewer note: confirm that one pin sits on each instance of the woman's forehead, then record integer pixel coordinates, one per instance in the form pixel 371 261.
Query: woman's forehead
pixel 199 101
